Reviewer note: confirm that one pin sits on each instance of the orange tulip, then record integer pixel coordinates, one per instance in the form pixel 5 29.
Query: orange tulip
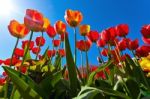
pixel 17 30
pixel 60 27
pixel 73 18
pixel 46 23
pixel 84 29
pixel 34 20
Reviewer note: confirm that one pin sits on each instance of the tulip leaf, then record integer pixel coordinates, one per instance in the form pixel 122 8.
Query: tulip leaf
pixel 138 73
pixel 25 85
pixel 100 68
pixel 133 88
pixel 49 82
pixel 71 66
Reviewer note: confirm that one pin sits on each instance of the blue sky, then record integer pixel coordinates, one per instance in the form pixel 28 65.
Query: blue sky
pixel 100 14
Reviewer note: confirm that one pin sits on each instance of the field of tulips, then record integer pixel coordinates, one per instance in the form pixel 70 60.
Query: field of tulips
pixel 123 71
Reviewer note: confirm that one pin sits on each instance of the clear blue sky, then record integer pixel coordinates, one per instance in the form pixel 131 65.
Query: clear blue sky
pixel 100 14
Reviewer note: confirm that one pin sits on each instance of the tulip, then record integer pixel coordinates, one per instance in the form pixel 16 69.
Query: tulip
pixel 93 36
pixel 143 51
pixel 62 52
pixel 145 64
pixel 2 81
pixel 84 29
pixel 40 41
pixel 56 43
pixel 109 34
pixel 101 43
pixel 46 24
pixel 17 30
pixel 60 27
pixel 146 40
pixel 25 43
pixel 73 18
pixel 83 45
pixel 133 45
pixel 36 50
pixel 51 31
pixel 122 44
pixel 122 30
pixel 104 52
pixel 34 20
pixel 62 36
pixel 10 61
pixel 51 53
pixel 19 52
pixel 146 31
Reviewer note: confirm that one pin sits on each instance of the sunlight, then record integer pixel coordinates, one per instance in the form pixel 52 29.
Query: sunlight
pixel 6 7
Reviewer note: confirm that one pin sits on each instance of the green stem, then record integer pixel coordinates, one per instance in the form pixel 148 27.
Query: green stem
pixel 13 92
pixel 82 64
pixel 26 51
pixel 87 63
pixel 39 47
pixel 7 81
pixel 75 40
pixel 14 51
pixel 100 54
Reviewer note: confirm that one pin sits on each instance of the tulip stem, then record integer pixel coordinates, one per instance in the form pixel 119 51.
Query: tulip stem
pixel 100 54
pixel 82 64
pixel 75 40
pixel 14 51
pixel 26 50
pixel 87 63
pixel 39 47
pixel 7 79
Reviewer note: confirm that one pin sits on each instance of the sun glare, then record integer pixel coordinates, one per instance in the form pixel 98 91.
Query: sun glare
pixel 6 7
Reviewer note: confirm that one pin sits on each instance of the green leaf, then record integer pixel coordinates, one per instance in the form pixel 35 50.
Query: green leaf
pixel 45 53
pixel 25 90
pixel 57 63
pixel 133 88
pixel 74 83
pixel 138 73
pixel 105 91
pixel 92 75
pixel 49 82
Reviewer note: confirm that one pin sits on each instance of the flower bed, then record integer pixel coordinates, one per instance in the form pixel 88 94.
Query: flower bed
pixel 44 77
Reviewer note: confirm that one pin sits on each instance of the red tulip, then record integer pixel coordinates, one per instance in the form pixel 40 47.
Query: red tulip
pixel 108 34
pixel 51 31
pixel 83 45
pixel 2 81
pixel 62 36
pixel 4 74
pixel 25 43
pixel 17 30
pixel 124 57
pixel 34 20
pixel 19 52
pixel 62 52
pixel 143 51
pixel 133 45
pixel 146 40
pixel 93 36
pixel 36 50
pixel 122 30
pixel 122 45
pixel 51 53
pixel 100 74
pixel 40 41
pixel 8 61
pixel 1 61
pixel 73 18
pixel 104 52
pixel 146 31
pixel 23 69
pixel 60 27
pixel 56 43
pixel 101 43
